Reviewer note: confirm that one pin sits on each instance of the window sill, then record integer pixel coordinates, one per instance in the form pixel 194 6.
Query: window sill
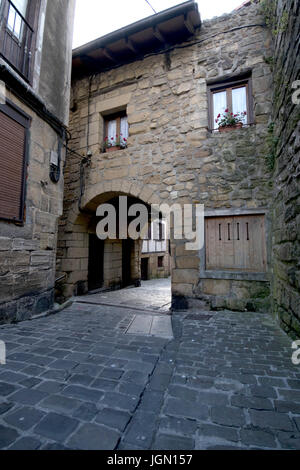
pixel 17 222
pixel 159 253
pixel 235 275
pixel 217 132
pixel 115 148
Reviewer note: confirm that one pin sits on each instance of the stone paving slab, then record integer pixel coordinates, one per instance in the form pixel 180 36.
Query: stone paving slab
pixel 75 380
pixel 159 326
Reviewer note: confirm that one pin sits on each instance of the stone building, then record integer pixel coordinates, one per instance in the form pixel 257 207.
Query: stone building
pixel 163 76
pixel 162 83
pixel 35 73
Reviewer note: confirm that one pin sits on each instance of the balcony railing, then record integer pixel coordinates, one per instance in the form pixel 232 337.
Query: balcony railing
pixel 16 36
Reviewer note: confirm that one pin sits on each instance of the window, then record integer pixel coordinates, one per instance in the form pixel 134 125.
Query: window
pixel 17 23
pixel 116 130
pixel 235 243
pixel 13 148
pixel 161 235
pixel 234 96
pixel 14 21
pixel 156 241
pixel 160 262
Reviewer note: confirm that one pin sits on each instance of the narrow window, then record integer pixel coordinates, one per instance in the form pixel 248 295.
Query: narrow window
pixel 16 13
pixel 116 131
pixel 19 20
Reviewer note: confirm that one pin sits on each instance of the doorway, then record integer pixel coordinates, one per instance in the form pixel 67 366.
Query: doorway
pixel 96 263
pixel 144 268
pixel 127 249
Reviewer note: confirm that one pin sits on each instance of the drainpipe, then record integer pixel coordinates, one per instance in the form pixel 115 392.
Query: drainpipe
pixel 86 161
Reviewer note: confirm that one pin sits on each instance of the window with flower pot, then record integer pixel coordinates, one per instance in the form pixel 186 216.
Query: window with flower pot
pixel 230 104
pixel 116 131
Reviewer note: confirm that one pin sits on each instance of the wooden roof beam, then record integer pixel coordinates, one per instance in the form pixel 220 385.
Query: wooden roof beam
pixel 188 25
pixel 108 54
pixel 131 46
pixel 86 60
pixel 158 35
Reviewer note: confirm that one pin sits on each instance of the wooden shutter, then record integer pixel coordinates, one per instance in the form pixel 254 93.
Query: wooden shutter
pixel 12 153
pixel 236 243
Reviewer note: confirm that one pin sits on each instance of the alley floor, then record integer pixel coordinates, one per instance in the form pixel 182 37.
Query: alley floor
pixel 154 295
pixel 80 380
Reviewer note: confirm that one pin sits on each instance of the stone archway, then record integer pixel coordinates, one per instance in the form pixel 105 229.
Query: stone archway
pixel 73 251
pixel 75 239
pixel 103 190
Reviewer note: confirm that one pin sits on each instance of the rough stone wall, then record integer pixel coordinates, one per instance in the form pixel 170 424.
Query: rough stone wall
pixel 171 156
pixel 286 214
pixel 28 252
pixel 112 263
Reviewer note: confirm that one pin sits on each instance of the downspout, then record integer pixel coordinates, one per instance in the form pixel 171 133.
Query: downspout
pixel 86 161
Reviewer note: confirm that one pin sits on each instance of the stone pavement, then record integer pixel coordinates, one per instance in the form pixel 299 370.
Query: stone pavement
pixel 76 380
pixel 153 295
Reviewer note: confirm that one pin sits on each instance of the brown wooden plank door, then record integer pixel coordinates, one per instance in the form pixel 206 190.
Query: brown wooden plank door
pixel 236 243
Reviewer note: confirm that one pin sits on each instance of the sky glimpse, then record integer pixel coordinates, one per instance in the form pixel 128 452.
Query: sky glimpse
pixel 95 18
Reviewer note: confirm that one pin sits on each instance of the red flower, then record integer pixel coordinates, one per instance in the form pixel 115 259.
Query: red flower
pixel 226 110
pixel 125 140
pixel 112 138
pixel 216 120
pixel 219 115
pixel 245 113
pixel 106 138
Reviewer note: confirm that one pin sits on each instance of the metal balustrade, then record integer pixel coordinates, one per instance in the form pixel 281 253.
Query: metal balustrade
pixel 16 38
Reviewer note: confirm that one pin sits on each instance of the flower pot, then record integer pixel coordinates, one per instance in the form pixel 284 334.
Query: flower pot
pixel 113 148
pixel 229 128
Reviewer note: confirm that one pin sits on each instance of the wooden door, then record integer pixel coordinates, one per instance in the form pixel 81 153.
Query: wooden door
pixel 236 243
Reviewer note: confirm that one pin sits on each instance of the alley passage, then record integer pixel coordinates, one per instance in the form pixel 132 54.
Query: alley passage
pixel 154 295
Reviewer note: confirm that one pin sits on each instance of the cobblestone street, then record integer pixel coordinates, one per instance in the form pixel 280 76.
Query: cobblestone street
pixel 77 380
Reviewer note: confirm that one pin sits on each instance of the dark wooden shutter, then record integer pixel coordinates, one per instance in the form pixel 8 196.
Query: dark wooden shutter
pixel 12 152
pixel 236 243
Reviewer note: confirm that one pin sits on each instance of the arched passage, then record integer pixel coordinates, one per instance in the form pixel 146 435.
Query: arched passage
pixel 89 263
